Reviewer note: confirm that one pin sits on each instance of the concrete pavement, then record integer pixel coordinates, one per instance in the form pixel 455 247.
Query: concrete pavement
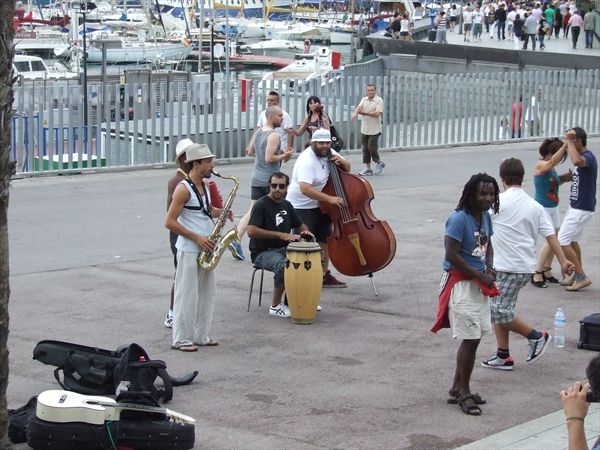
pixel 90 263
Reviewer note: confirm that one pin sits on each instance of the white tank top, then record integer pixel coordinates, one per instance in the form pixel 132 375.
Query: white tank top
pixel 193 218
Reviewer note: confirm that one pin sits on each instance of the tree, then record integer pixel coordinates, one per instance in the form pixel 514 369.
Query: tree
pixel 7 169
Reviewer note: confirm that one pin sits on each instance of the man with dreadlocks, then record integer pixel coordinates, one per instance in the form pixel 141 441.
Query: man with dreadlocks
pixel 517 223
pixel 468 282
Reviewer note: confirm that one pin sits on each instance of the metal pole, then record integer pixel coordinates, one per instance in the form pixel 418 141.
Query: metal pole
pixel 85 81
pixel 212 59
pixel 460 18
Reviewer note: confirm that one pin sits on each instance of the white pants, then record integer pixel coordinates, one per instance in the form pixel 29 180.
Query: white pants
pixel 194 301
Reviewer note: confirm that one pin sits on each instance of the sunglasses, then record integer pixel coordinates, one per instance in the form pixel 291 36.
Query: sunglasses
pixel 281 186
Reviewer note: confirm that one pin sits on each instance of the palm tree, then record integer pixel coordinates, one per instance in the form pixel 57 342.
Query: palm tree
pixel 7 169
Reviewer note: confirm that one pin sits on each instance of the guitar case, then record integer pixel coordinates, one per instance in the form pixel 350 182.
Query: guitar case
pixel 153 434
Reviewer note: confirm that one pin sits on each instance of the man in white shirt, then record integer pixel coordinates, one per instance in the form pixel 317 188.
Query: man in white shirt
pixel 468 23
pixel 370 110
pixel 516 225
pixel 285 130
pixel 478 17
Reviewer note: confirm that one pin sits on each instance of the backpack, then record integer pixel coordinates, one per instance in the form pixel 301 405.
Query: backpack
pixel 95 371
pixel 18 420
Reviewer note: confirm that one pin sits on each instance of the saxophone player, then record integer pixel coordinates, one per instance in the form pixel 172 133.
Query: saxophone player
pixel 190 217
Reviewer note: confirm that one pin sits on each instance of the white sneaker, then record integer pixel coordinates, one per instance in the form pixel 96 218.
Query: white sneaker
pixel 169 319
pixel 365 172
pixel 279 311
pixel 379 167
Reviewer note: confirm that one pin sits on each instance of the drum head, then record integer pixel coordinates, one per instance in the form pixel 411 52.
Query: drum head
pixel 303 246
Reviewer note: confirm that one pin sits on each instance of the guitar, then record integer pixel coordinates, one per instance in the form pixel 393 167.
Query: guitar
pixel 64 406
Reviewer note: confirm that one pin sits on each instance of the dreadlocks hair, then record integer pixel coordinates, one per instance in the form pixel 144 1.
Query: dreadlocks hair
pixel 470 190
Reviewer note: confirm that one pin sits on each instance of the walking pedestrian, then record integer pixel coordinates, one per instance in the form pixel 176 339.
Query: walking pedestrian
pixel 370 109
pixel 530 30
pixel 500 17
pixel 517 223
pixel 589 25
pixel 575 22
pixel 441 24
pixel 518 31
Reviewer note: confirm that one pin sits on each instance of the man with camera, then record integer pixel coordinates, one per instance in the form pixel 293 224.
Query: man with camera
pixel 575 400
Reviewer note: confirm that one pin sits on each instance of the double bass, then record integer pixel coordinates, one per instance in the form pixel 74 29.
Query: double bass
pixel 360 243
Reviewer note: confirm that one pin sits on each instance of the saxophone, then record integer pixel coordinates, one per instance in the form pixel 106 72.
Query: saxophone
pixel 209 260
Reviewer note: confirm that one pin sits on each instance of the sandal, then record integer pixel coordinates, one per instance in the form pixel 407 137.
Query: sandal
pixel 538 283
pixel 185 348
pixel 551 278
pixel 454 399
pixel 210 343
pixel 468 406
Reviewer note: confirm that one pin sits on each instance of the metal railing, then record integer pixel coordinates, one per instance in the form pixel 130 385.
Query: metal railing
pixel 139 124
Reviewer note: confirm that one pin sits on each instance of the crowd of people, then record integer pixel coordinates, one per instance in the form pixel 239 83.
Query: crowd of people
pixel 282 209
pixel 490 238
pixel 490 243
pixel 530 24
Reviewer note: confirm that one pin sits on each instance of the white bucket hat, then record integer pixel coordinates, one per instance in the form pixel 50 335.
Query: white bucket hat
pixel 321 135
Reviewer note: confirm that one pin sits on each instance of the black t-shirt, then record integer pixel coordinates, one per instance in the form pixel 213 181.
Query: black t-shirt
pixel 395 26
pixel 272 216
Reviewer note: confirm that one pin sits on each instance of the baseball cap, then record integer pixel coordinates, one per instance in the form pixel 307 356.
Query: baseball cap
pixel 181 147
pixel 197 152
pixel 321 135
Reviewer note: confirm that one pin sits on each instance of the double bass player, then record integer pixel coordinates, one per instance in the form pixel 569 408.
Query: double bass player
pixel 309 177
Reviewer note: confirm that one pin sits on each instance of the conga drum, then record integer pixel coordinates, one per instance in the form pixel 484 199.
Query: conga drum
pixel 303 278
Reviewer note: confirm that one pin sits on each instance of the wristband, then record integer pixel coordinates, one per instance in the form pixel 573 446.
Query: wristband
pixel 575 418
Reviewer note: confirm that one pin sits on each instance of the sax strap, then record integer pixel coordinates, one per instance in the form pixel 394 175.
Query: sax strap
pixel 202 203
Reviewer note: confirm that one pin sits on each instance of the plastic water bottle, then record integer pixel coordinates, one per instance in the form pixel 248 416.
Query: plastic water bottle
pixel 559 328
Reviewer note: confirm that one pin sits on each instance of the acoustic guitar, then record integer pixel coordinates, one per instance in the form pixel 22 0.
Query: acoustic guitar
pixel 64 406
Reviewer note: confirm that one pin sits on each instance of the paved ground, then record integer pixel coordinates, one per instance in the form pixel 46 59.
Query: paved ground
pixel 553 45
pixel 90 264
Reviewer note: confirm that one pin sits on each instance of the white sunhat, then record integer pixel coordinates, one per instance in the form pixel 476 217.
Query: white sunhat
pixel 321 135
pixel 197 152
pixel 180 149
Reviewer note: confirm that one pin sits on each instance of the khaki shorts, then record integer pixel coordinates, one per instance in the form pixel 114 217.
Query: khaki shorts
pixel 469 311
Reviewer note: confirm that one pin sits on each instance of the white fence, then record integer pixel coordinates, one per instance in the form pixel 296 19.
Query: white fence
pixel 136 125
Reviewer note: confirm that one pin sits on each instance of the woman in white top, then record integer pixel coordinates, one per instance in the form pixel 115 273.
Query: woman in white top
pixel 405 33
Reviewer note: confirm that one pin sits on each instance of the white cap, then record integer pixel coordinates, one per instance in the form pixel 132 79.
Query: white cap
pixel 321 135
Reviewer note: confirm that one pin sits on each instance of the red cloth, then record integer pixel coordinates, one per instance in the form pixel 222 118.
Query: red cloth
pixel 215 196
pixel 454 276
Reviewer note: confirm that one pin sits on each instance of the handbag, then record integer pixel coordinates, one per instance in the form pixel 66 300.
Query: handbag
pixel 336 141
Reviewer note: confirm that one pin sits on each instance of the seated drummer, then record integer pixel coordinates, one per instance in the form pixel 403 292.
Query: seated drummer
pixel 269 228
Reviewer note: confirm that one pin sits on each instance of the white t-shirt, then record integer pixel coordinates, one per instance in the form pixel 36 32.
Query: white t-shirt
pixel 311 169
pixel 281 130
pixel 516 227
pixel 468 17
pixel 511 16
pixel 478 17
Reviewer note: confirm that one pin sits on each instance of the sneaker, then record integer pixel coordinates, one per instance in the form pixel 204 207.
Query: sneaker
pixel 579 284
pixel 236 250
pixel 169 319
pixel 379 168
pixel 537 347
pixel 319 308
pixel 365 172
pixel 329 281
pixel 279 311
pixel 498 363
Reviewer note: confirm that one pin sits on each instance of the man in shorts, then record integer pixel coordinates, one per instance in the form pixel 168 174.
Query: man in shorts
pixel 582 204
pixel 516 225
pixel 309 177
pixel 468 282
